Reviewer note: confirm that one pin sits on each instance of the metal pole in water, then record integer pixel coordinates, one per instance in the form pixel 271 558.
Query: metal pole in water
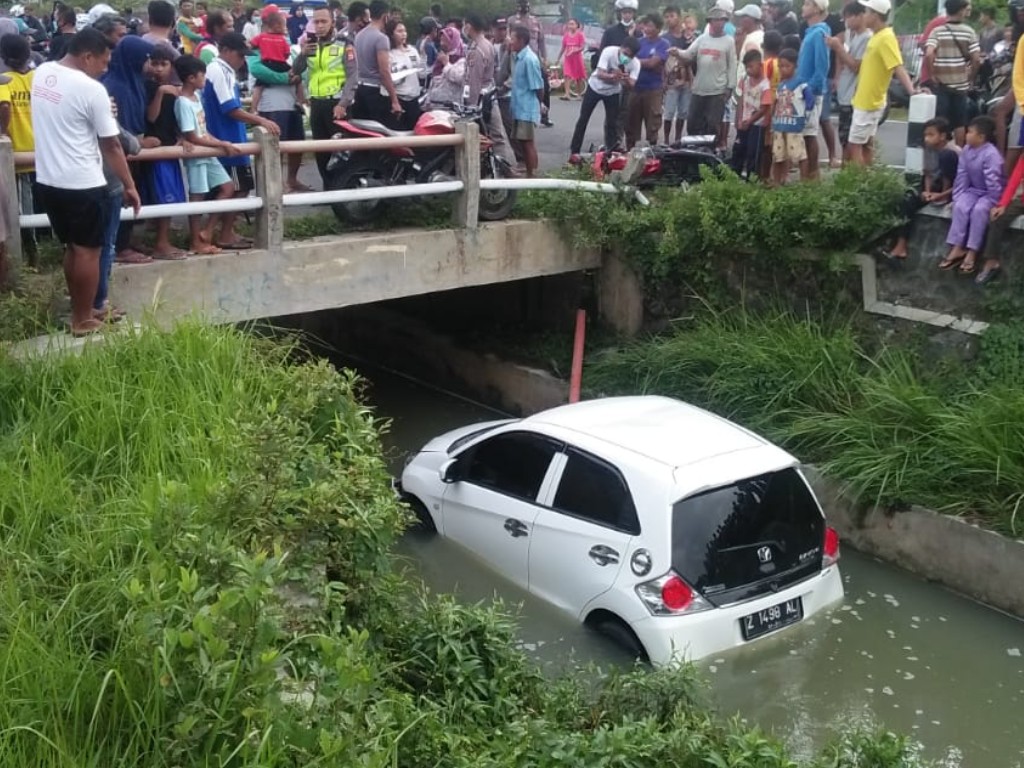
pixel 576 376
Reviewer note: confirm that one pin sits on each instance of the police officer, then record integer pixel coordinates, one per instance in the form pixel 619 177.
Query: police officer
pixel 331 60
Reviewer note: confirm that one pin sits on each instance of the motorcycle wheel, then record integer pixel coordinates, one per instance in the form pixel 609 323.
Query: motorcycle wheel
pixel 363 211
pixel 495 204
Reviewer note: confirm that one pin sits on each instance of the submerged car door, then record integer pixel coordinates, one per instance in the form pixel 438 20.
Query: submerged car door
pixel 582 534
pixel 491 505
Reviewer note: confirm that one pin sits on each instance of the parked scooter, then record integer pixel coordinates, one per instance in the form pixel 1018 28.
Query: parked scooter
pixel 366 169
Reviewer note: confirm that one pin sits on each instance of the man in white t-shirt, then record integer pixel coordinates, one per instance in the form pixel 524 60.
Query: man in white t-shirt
pixel 75 133
pixel 617 66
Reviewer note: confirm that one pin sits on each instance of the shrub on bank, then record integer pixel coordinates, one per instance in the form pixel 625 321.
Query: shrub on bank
pixel 195 539
pixel 686 237
pixel 896 431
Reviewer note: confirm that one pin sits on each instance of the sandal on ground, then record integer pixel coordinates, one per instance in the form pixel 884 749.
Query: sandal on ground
pixel 109 314
pixel 951 261
pixel 206 250
pixel 890 256
pixel 88 328
pixel 968 266
pixel 240 244
pixel 172 255
pixel 987 275
pixel 132 257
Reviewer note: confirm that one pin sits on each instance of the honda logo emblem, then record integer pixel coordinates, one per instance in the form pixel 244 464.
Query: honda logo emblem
pixel 764 554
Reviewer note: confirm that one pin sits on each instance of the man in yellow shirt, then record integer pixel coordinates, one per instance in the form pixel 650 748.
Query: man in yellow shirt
pixel 16 120
pixel 882 61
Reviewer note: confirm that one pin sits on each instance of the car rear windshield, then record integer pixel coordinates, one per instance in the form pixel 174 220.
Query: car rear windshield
pixel 742 540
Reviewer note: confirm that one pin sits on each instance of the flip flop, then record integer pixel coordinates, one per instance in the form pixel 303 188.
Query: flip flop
pixel 174 255
pixel 133 257
pixel 207 250
pixel 91 327
pixel 948 263
pixel 238 245
pixel 968 267
pixel 987 275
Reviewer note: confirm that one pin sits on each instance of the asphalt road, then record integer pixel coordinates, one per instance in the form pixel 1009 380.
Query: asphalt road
pixel 553 143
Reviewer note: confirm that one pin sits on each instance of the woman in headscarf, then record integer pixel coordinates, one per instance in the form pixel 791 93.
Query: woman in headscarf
pixel 452 49
pixel 297 23
pixel 126 84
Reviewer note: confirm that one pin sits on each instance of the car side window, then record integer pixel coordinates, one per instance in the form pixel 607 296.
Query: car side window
pixel 594 490
pixel 514 463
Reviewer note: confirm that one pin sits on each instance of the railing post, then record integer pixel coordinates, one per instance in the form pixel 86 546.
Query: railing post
pixel 467 166
pixel 9 182
pixel 270 187
pixel 920 110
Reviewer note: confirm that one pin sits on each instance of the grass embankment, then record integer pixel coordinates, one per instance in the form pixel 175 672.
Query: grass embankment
pixel 195 541
pixel 896 425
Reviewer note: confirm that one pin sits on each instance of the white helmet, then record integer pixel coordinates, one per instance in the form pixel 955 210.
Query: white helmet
pixel 626 5
pixel 98 11
pixel 16 11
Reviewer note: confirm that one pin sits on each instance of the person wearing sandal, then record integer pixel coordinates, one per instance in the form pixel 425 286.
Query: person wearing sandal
pixel 1002 216
pixel 976 190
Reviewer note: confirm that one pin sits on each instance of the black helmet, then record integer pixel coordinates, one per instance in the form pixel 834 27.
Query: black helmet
pixel 1015 6
pixel 428 24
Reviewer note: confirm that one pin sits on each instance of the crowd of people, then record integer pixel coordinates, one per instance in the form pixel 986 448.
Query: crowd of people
pixel 768 80
pixel 87 91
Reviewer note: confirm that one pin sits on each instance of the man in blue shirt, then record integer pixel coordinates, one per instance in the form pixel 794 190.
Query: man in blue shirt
pixel 527 95
pixel 648 93
pixel 812 68
pixel 226 120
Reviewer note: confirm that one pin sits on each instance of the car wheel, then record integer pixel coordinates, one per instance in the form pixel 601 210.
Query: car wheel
pixel 424 522
pixel 611 626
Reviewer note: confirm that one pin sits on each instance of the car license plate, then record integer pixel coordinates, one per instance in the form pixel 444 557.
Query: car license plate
pixel 762 622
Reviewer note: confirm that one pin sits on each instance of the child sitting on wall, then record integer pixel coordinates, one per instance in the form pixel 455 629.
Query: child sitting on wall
pixel 977 189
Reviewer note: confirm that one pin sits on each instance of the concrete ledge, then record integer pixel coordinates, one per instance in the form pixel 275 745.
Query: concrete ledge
pixel 980 564
pixel 327 273
pixel 946 212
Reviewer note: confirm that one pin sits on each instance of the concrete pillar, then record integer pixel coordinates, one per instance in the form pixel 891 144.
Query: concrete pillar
pixel 467 167
pixel 922 109
pixel 9 185
pixel 270 187
pixel 620 295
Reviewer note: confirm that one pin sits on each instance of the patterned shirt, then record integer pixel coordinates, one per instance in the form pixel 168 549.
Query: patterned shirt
pixel 954 44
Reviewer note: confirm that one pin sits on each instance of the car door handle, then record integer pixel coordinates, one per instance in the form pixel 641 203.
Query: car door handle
pixel 603 555
pixel 516 528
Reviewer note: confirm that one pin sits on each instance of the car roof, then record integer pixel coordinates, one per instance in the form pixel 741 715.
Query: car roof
pixel 659 428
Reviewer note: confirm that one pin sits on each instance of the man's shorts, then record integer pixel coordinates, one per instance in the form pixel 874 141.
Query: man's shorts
pixel 813 125
pixel 788 147
pixel 845 119
pixel 524 130
pixel 1016 138
pixel 676 104
pixel 205 174
pixel 826 107
pixel 76 215
pixel 166 182
pixel 290 123
pixel 864 125
pixel 729 113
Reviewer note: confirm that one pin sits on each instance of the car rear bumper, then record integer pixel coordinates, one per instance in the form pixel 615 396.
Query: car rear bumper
pixel 695 636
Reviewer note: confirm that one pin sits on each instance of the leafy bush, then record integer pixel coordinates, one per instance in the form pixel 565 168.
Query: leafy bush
pixel 688 237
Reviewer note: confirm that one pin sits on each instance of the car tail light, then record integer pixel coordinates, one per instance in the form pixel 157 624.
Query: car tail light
pixel 831 548
pixel 670 595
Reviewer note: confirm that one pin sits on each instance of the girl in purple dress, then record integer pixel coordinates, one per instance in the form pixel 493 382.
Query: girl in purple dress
pixel 979 184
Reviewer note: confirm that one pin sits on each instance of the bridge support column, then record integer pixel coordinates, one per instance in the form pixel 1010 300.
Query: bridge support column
pixel 620 295
pixel 269 187
pixel 9 184
pixel 467 165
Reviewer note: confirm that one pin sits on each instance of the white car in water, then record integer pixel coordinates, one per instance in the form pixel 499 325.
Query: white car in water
pixel 675 531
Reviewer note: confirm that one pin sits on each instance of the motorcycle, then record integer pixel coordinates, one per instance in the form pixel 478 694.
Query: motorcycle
pixel 676 165
pixel 365 169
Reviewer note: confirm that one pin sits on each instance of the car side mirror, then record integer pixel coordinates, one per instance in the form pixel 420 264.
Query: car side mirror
pixel 449 472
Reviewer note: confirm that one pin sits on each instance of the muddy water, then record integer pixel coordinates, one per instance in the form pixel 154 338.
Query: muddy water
pixel 900 652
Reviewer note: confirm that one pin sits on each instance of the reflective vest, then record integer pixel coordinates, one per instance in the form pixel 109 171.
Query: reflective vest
pixel 327 69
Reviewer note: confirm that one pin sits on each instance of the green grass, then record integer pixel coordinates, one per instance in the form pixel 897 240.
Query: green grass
pixel 895 429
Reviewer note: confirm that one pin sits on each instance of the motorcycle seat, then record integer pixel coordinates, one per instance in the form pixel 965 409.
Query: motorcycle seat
pixel 375 127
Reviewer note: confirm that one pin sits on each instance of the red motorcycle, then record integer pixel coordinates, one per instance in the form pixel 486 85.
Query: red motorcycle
pixel 401 165
pixel 673 166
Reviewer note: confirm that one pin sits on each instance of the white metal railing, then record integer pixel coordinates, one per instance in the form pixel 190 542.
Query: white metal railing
pixel 270 198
